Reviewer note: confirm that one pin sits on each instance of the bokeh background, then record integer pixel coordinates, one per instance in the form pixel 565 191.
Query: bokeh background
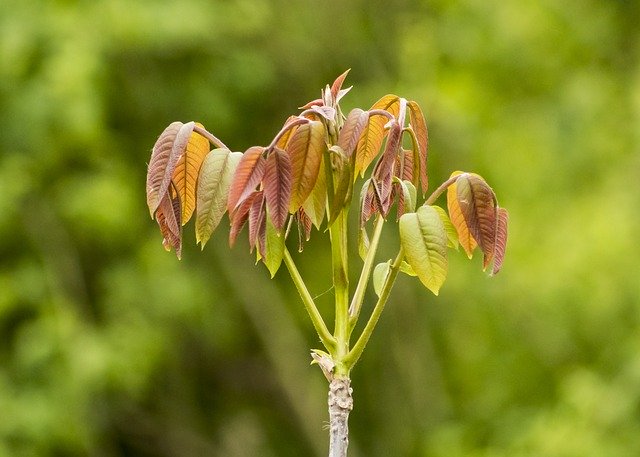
pixel 109 346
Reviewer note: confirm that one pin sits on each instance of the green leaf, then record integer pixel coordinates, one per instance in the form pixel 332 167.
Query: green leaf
pixel 214 181
pixel 273 249
pixel 424 241
pixel 380 273
pixel 409 193
pixel 452 234
pixel 363 242
pixel 406 269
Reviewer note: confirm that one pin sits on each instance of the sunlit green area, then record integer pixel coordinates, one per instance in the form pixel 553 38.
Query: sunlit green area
pixel 110 346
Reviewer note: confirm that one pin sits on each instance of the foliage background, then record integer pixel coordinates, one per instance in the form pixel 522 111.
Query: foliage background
pixel 111 347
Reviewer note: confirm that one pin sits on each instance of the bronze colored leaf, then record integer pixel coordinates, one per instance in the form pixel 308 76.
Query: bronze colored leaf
pixel 284 139
pixel 277 187
pixel 162 152
pixel 337 85
pixel 168 218
pixel 478 205
pixel 257 215
pixel 185 176
pixel 315 205
pixel 467 241
pixel 352 129
pixel 305 149
pixel 501 240
pixel 373 133
pixel 419 126
pixel 239 217
pixel 246 178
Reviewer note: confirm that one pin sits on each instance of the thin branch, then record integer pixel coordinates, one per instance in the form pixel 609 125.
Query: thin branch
pixel 436 193
pixel 358 296
pixel 288 126
pixel 327 339
pixel 209 136
pixel 352 357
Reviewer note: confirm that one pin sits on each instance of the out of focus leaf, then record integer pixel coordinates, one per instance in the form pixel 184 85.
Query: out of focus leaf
pixel 342 182
pixel 379 277
pixel 465 238
pixel 277 186
pixel 373 133
pixel 419 126
pixel 185 176
pixel 424 241
pixel 315 205
pixel 247 176
pixel 501 240
pixel 305 149
pixel 478 205
pixel 214 181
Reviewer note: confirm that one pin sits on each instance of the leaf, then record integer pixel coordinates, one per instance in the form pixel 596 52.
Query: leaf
pixel 277 187
pixel 408 196
pixel 164 157
pixel 185 176
pixel 478 205
pixel 465 238
pixel 384 169
pixel 368 201
pixel 315 205
pixel 373 133
pixel 240 215
pixel 424 241
pixel 342 182
pixel 380 273
pixel 419 126
pixel 257 216
pixel 284 139
pixel 274 247
pixel 305 149
pixel 304 228
pixel 246 178
pixel 337 86
pixel 406 269
pixel 352 129
pixel 501 240
pixel 452 234
pixel 363 242
pixel 168 217
pixel 214 181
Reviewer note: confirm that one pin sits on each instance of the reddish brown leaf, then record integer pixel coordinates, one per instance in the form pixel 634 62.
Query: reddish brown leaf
pixel 337 85
pixel 373 134
pixel 156 171
pixel 240 216
pixel 419 126
pixel 305 149
pixel 284 139
pixel 257 213
pixel 501 240
pixel 304 228
pixel 368 202
pixel 168 217
pixel 246 178
pixel 384 170
pixel 352 129
pixel 277 187
pixel 406 165
pixel 478 205
pixel 185 175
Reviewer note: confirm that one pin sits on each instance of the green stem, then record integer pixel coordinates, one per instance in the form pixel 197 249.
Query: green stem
pixel 327 339
pixel 367 268
pixel 352 357
pixel 338 235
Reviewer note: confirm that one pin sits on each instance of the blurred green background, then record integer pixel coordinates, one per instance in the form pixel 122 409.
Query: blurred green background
pixel 109 346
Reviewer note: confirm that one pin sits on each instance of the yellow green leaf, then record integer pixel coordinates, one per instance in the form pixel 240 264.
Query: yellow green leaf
pixel 452 234
pixel 185 176
pixel 424 241
pixel 214 181
pixel 379 277
pixel 274 247
pixel 465 238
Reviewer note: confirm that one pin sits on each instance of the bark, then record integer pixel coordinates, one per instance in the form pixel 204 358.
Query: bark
pixel 340 404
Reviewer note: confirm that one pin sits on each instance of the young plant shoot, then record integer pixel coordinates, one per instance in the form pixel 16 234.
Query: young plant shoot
pixel 307 177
